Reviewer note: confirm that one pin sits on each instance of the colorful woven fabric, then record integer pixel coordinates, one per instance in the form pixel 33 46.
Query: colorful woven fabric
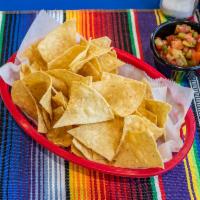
pixel 28 171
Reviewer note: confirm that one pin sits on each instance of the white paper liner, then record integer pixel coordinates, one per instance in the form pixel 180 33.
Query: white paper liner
pixel 179 97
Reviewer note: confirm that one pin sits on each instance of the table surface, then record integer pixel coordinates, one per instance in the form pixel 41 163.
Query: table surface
pixel 28 171
pixel 77 4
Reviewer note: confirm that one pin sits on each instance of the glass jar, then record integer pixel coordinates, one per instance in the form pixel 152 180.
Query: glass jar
pixel 178 8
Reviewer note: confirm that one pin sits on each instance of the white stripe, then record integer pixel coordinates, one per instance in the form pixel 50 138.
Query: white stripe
pixel 135 34
pixel 41 173
pixel 1 16
pixel 62 171
pixel 159 197
pixel 52 176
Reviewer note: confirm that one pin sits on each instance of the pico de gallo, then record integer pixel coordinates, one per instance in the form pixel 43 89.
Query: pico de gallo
pixel 181 48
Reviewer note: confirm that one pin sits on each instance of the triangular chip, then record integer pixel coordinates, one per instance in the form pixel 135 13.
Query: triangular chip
pixel 60 137
pixel 59 100
pixel 137 123
pixel 64 59
pixel 40 85
pixel 58 40
pixel 88 153
pixel 123 96
pixel 160 109
pixel 57 113
pixel 148 94
pixel 75 151
pixel 32 54
pixel 23 98
pixel 109 63
pixel 103 42
pixel 103 138
pixel 85 106
pixel 138 150
pixel 68 77
pixel 24 70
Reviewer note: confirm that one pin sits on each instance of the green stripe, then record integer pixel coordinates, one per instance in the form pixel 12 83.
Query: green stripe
pixel 1 33
pixel 196 163
pixel 153 188
pixel 131 33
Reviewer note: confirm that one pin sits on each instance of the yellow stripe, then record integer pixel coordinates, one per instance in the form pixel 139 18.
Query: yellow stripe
pixel 157 18
pixel 162 17
pixel 188 179
pixel 71 181
pixel 194 174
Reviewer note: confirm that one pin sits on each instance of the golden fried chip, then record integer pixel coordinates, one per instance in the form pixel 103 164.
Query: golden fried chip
pixel 138 150
pixel 109 63
pixel 160 109
pixel 59 86
pixel 90 70
pixel 75 151
pixel 103 42
pixel 32 54
pixel 58 40
pixel 64 59
pixel 24 70
pixel 103 138
pixel 85 106
pixel 124 96
pixel 46 118
pixel 59 100
pixel 141 124
pixel 41 126
pixel 60 137
pixel 68 77
pixel 57 113
pixel 40 85
pixel 149 115
pixel 88 153
pixel 23 98
pixel 148 94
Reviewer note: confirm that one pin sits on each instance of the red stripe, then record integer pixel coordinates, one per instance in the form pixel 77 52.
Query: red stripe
pixel 162 190
pixel 101 182
pixel 138 35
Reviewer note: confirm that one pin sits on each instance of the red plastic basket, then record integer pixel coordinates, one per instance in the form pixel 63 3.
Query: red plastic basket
pixel 32 132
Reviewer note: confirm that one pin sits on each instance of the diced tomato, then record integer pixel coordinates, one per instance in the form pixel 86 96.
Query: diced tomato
pixel 177 44
pixel 198 47
pixel 170 38
pixel 196 57
pixel 184 28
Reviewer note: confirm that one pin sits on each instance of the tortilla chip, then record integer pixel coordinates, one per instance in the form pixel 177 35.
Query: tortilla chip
pixel 149 115
pixel 124 96
pixel 138 150
pixel 148 94
pixel 59 86
pixel 88 153
pixel 68 77
pixel 160 109
pixel 32 54
pixel 64 59
pixel 109 63
pixel 141 124
pixel 46 118
pixel 57 113
pixel 58 40
pixel 22 97
pixel 89 70
pixel 103 42
pixel 24 70
pixel 40 85
pixel 103 138
pixel 59 100
pixel 75 151
pixel 85 106
pixel 41 126
pixel 60 137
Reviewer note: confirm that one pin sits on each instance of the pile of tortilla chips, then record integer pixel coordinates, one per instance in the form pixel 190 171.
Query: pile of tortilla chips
pixel 73 94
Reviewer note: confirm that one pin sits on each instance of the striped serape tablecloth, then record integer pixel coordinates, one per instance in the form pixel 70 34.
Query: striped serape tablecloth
pixel 28 171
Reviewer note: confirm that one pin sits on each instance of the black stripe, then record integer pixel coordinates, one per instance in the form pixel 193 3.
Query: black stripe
pixel 67 180
pixel 64 16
